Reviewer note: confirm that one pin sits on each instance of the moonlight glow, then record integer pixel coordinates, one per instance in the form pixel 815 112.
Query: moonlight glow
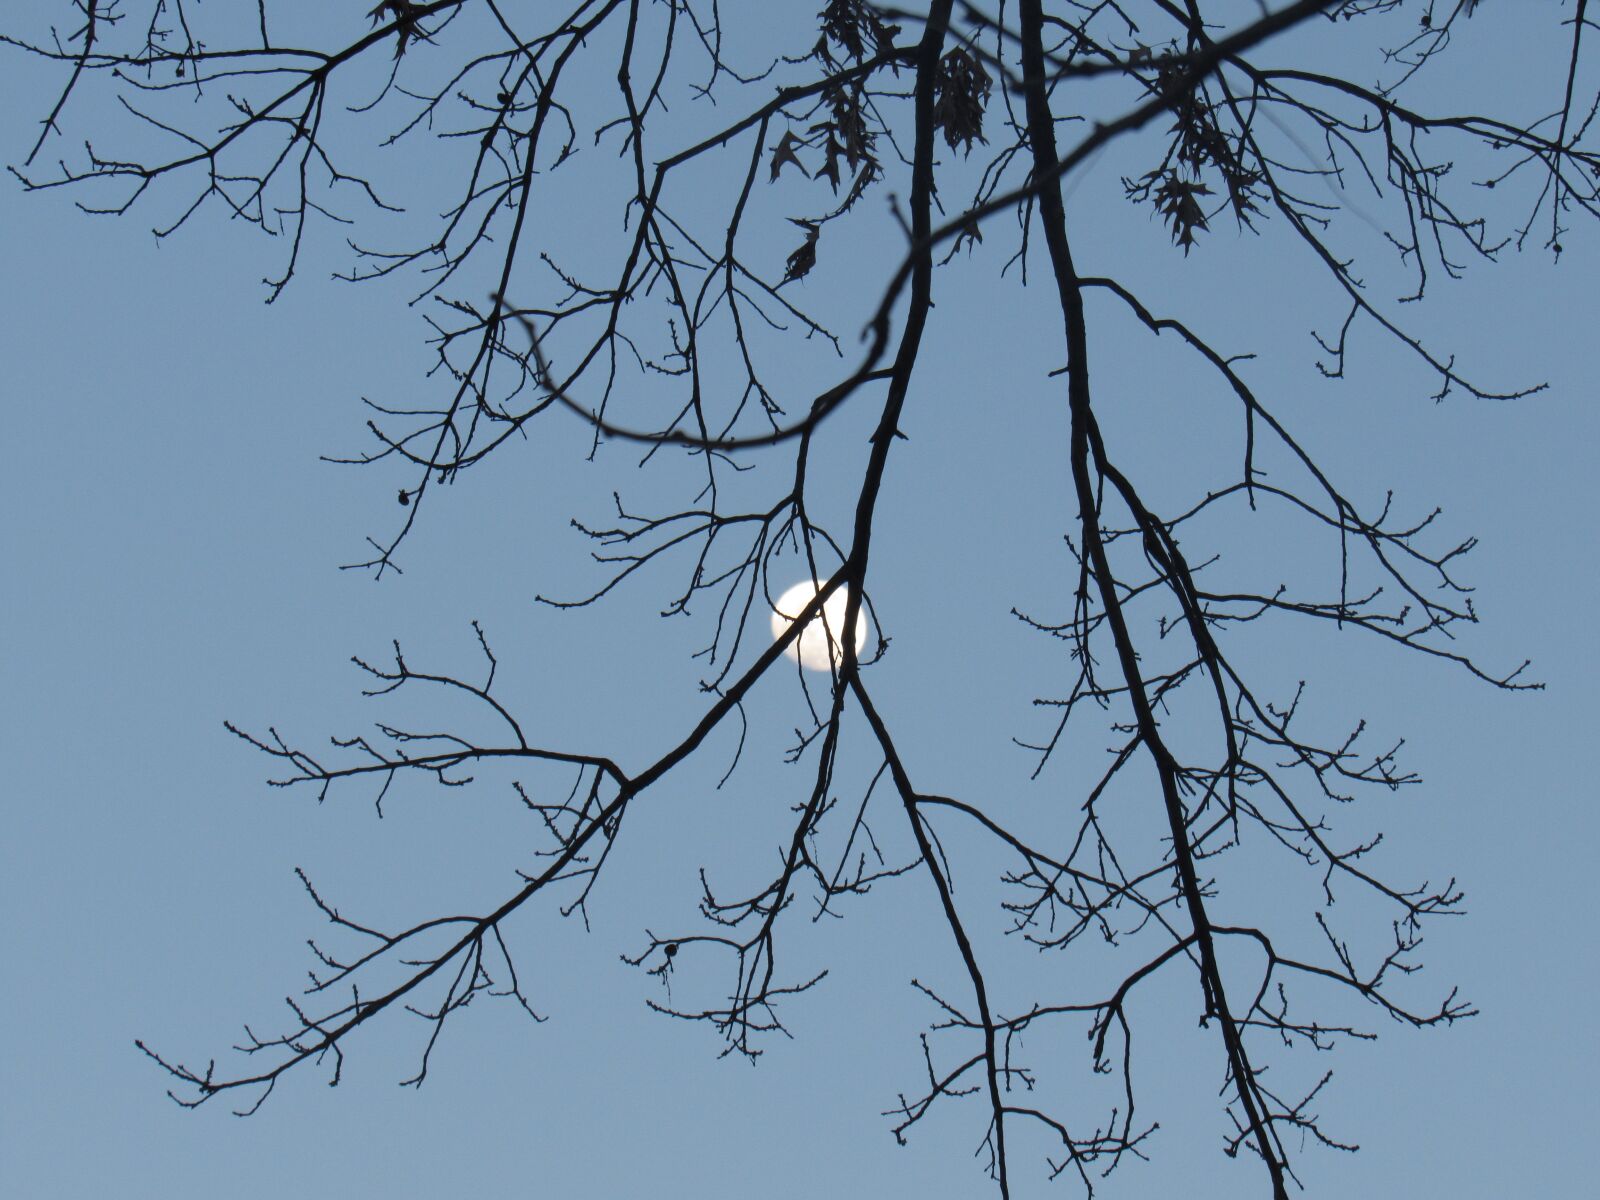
pixel 811 649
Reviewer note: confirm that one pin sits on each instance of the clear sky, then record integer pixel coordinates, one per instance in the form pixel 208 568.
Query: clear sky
pixel 169 545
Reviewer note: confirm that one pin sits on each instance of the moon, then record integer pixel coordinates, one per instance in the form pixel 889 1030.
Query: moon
pixel 815 649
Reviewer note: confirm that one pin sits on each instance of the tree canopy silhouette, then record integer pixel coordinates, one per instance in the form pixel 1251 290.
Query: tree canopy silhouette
pixel 764 203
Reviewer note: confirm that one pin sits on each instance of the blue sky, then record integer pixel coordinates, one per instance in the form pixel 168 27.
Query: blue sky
pixel 171 544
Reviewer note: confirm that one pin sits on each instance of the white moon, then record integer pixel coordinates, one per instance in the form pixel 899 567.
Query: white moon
pixel 815 649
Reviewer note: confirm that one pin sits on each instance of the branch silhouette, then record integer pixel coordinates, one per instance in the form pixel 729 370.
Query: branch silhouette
pixel 765 189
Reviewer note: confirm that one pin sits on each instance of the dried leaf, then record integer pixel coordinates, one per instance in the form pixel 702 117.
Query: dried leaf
pixel 1178 200
pixel 805 257
pixel 783 153
pixel 405 13
pixel 960 94
pixel 830 166
pixel 852 24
